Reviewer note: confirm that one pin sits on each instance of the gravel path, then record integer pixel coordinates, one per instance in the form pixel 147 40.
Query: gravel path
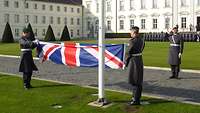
pixel 156 82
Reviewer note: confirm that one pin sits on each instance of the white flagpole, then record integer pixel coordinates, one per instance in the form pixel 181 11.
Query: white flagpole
pixel 101 53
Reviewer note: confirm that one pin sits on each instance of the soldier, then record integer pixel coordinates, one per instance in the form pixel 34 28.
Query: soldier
pixel 135 64
pixel 175 52
pixel 27 65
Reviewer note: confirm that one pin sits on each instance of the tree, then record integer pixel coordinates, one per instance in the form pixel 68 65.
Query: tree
pixel 65 34
pixel 32 36
pixel 49 34
pixel 7 34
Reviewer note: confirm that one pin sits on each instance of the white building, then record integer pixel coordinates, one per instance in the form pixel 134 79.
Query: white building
pixel 40 14
pixel 149 15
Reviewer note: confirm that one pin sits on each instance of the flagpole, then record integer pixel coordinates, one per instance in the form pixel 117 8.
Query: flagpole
pixel 101 66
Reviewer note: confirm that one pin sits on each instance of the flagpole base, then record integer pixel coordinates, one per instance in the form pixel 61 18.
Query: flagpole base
pixel 101 102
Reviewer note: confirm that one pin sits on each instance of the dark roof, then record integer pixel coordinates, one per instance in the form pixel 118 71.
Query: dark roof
pixel 73 2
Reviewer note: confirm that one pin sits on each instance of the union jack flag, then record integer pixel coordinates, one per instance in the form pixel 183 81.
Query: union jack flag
pixel 81 55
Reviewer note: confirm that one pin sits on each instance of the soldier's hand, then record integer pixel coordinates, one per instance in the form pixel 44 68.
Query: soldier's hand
pixel 36 41
pixel 179 55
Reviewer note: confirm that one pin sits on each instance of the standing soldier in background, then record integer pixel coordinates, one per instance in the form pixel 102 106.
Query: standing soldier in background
pixel 27 65
pixel 175 52
pixel 135 64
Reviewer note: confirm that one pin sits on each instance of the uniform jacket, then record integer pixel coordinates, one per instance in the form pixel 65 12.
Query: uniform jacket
pixel 26 64
pixel 135 63
pixel 176 47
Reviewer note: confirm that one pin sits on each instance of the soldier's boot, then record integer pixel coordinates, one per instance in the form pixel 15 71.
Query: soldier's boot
pixel 176 75
pixel 173 75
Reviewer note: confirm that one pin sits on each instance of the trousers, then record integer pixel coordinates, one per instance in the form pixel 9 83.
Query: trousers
pixel 27 78
pixel 137 93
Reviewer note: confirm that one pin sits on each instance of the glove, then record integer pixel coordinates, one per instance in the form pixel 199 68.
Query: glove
pixel 36 41
pixel 179 55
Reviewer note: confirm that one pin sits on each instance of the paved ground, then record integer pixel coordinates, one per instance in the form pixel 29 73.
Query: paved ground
pixel 156 82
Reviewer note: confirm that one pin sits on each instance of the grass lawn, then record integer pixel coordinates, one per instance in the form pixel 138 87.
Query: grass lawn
pixel 155 53
pixel 74 99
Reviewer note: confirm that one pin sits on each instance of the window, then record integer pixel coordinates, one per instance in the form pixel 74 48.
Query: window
pixel 132 4
pixel 78 32
pixel 78 21
pixel 121 24
pixel 155 23
pixel 26 5
pixel 58 34
pixel 65 20
pixel 58 8
pixel 72 10
pixel 16 32
pixel 72 21
pixel 35 6
pixel 43 7
pixel 121 5
pixel 43 19
pixel 143 5
pixel 6 3
pixel 58 20
pixel 36 32
pixel 96 26
pixel 51 20
pixel 26 18
pixel 183 22
pixel 183 3
pixel 167 3
pixel 65 9
pixel 43 32
pixel 97 10
pixel 108 6
pixel 78 10
pixel 131 23
pixel 16 4
pixel 51 8
pixel 72 33
pixel 88 6
pixel 143 24
pixel 16 18
pixel 108 25
pixel 154 4
pixel 6 18
pixel 167 21
pixel 88 25
pixel 35 19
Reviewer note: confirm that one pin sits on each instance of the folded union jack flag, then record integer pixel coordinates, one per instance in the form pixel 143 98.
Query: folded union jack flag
pixel 81 55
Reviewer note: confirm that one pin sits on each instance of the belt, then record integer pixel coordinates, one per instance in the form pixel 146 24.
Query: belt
pixel 25 50
pixel 174 45
pixel 137 54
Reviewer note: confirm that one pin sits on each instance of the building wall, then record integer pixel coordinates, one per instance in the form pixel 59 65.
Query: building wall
pixel 40 26
pixel 189 10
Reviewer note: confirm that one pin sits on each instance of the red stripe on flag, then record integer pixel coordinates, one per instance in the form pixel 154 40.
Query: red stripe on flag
pixel 112 58
pixel 48 51
pixel 70 54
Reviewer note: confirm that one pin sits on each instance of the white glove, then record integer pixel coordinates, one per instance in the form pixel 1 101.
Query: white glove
pixel 179 55
pixel 36 41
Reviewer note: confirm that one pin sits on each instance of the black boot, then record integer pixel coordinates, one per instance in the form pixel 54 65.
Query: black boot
pixel 176 76
pixel 173 76
pixel 134 102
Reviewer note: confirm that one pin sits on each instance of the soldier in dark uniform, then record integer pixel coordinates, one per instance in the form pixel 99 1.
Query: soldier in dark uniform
pixel 135 64
pixel 175 52
pixel 27 65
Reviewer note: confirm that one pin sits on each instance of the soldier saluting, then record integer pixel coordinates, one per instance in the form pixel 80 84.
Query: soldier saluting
pixel 27 65
pixel 175 52
pixel 135 64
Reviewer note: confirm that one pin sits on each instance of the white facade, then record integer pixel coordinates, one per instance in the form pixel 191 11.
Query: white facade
pixel 40 14
pixel 149 15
